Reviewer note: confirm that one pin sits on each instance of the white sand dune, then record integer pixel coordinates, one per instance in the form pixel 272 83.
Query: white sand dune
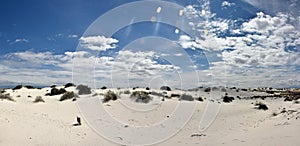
pixel 238 123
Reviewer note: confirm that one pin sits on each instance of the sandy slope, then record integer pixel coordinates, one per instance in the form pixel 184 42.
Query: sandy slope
pixel 238 123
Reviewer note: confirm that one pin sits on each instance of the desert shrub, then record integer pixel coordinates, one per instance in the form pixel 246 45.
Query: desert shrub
pixel 238 97
pixel 214 88
pixel 6 96
pixel 166 88
pixel 126 92
pixel 186 97
pixel 38 99
pixel 227 99
pixel 156 94
pixel 2 91
pixel 55 91
pixel 244 89
pixel 207 89
pixel 18 95
pixel 141 96
pixel 17 87
pixel 69 85
pixel 52 86
pixel 83 90
pixel 223 89
pixel 147 88
pixel 261 106
pixel 110 95
pixel 288 99
pixel 29 96
pixel 103 88
pixel 175 95
pixel 199 99
pixel 68 95
pixel 29 87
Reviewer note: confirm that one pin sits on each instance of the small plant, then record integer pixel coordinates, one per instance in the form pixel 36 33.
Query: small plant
pixel 39 99
pixel 227 99
pixel 261 106
pixel 274 114
pixel 110 95
pixel 175 95
pixel 186 97
pixel 103 88
pixel 29 87
pixel 55 91
pixel 126 92
pixel 200 98
pixel 207 89
pixel 83 90
pixel 166 88
pixel 17 87
pixel 147 88
pixel 69 85
pixel 157 94
pixel 141 96
pixel 68 95
pixel 6 96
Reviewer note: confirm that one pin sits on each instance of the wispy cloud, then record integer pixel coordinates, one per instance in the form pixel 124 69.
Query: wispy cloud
pixel 19 40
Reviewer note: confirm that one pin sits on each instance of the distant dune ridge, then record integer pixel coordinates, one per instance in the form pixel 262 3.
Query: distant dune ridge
pixel 50 116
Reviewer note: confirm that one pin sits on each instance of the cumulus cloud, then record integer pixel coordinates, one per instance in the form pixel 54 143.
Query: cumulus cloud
pixel 98 43
pixel 259 47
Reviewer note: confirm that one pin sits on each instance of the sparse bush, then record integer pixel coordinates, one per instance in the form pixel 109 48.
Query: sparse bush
pixel 156 94
pixel 261 106
pixel 147 88
pixel 2 91
pixel 17 87
pixel 103 88
pixel 141 96
pixel 223 89
pixel 110 95
pixel 126 92
pixel 166 88
pixel 55 91
pixel 83 90
pixel 6 96
pixel 38 99
pixel 68 95
pixel 227 99
pixel 207 89
pixel 175 95
pixel 29 87
pixel 69 85
pixel 186 97
pixel 199 99
pixel 288 99
pixel 52 86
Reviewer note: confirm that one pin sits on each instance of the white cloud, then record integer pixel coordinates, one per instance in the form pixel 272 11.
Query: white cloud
pixel 20 40
pixel 72 36
pixel 227 4
pixel 98 43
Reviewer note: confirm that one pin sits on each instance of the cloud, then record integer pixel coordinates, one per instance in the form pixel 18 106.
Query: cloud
pixel 73 36
pixel 98 43
pixel 227 4
pixel 263 50
pixel 20 40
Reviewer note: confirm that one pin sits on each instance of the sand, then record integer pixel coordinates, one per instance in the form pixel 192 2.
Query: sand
pixel 237 123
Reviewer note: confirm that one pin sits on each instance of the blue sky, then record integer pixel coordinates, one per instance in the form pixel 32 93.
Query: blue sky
pixel 234 43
